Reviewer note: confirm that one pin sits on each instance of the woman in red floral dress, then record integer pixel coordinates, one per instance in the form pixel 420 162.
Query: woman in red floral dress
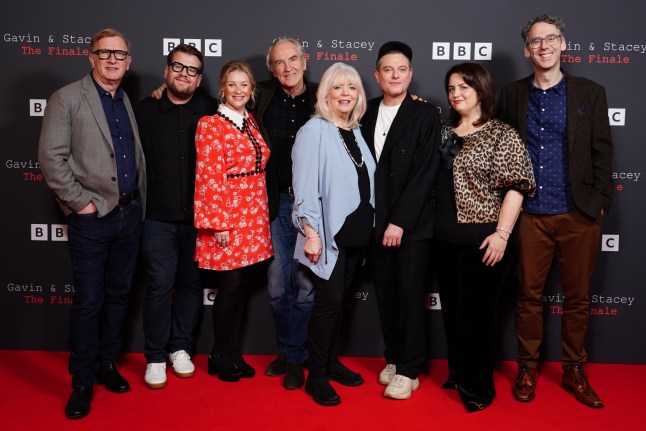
pixel 231 211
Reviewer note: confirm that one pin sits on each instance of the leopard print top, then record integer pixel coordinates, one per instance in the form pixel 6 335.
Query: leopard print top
pixel 491 161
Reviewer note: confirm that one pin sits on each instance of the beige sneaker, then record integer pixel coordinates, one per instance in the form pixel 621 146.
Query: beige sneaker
pixel 401 387
pixel 182 365
pixel 155 377
pixel 387 374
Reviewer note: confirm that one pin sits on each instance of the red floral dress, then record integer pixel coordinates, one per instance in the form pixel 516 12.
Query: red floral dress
pixel 231 194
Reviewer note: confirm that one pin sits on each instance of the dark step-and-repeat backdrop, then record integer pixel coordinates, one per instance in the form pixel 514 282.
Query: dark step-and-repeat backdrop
pixel 45 45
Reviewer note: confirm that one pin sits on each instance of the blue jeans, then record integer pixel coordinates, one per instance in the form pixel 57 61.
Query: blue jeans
pixel 290 286
pixel 173 299
pixel 104 256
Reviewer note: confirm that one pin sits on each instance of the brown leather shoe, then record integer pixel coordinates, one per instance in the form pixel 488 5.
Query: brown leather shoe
pixel 575 381
pixel 525 384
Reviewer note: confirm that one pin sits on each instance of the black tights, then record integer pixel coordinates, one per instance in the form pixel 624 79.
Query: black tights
pixel 228 307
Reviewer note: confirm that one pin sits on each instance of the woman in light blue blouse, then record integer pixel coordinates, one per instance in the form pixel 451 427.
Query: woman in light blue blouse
pixel 333 172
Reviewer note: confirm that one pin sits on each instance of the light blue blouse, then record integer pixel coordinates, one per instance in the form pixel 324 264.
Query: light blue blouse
pixel 326 188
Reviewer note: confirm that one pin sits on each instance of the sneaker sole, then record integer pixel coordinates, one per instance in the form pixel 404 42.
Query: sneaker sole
pixel 155 385
pixel 403 396
pixel 384 382
pixel 184 375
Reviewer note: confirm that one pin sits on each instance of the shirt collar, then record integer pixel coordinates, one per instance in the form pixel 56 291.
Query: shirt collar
pixel 167 104
pixel 103 92
pixel 559 88
pixel 232 115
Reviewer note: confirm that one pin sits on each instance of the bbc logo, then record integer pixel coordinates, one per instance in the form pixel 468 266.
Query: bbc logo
pixel 212 47
pixel 37 107
pixel 462 50
pixel 44 232
pixel 609 242
pixel 433 301
pixel 617 116
pixel 208 295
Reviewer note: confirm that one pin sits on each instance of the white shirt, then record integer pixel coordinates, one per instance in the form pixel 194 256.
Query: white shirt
pixel 385 119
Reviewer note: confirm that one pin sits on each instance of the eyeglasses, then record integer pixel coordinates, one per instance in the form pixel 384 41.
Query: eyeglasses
pixel 190 70
pixel 550 39
pixel 104 54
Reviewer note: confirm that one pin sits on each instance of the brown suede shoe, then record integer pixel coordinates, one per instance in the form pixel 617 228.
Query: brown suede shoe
pixel 575 381
pixel 525 384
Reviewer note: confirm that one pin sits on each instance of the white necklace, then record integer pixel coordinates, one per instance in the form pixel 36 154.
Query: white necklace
pixel 358 165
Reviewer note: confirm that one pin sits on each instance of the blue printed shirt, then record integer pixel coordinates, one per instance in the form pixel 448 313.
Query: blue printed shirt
pixel 546 142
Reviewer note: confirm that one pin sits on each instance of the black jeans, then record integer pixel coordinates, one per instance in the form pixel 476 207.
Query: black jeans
pixel 168 251
pixel 104 256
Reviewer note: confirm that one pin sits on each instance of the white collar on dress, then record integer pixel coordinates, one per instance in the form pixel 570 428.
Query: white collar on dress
pixel 232 115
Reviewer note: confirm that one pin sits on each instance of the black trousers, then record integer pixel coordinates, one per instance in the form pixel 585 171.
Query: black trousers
pixel 325 321
pixel 401 277
pixel 469 293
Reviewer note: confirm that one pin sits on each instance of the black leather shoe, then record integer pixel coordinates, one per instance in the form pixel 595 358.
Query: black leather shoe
pixel 113 381
pixel 224 368
pixel 78 406
pixel 246 370
pixel 343 375
pixel 294 377
pixel 277 367
pixel 322 392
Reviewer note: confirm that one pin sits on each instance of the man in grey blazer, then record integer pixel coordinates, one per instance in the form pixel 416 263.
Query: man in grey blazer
pixel 564 122
pixel 91 158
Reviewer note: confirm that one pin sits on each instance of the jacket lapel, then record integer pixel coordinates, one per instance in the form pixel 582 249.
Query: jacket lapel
pixel 573 103
pixel 401 124
pixel 94 102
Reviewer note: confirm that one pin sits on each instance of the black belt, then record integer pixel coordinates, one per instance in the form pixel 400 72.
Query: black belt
pixel 286 191
pixel 127 199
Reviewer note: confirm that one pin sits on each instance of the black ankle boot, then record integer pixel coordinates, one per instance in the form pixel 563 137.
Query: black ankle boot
pixel 246 370
pixel 321 391
pixel 222 366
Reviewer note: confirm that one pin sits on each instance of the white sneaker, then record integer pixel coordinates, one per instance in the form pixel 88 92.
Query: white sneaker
pixel 155 377
pixel 401 387
pixel 182 364
pixel 387 374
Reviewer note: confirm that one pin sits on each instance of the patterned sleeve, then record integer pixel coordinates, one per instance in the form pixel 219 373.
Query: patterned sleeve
pixel 212 197
pixel 511 165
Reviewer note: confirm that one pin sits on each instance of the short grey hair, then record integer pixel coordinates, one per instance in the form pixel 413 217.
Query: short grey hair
pixel 278 41
pixel 546 18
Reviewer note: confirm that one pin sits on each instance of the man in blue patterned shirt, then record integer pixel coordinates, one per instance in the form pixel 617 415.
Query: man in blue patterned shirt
pixel 564 122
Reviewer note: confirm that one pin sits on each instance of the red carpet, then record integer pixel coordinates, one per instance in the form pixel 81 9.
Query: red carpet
pixel 34 387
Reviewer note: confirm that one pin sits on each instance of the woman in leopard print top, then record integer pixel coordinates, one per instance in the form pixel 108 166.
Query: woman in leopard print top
pixel 478 197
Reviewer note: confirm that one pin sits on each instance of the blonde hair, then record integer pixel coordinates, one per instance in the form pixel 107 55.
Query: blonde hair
pixel 336 74
pixel 108 32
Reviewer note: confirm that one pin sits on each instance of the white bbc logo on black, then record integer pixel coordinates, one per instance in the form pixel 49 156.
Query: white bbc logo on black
pixel 617 116
pixel 37 107
pixel 45 232
pixel 609 242
pixel 209 47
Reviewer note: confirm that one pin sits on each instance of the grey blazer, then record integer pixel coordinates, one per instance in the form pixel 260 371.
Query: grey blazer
pixel 75 151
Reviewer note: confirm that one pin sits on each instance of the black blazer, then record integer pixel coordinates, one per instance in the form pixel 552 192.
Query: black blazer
pixel 265 91
pixel 407 168
pixel 588 137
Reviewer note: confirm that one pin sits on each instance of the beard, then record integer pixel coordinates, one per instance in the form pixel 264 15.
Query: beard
pixel 180 93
